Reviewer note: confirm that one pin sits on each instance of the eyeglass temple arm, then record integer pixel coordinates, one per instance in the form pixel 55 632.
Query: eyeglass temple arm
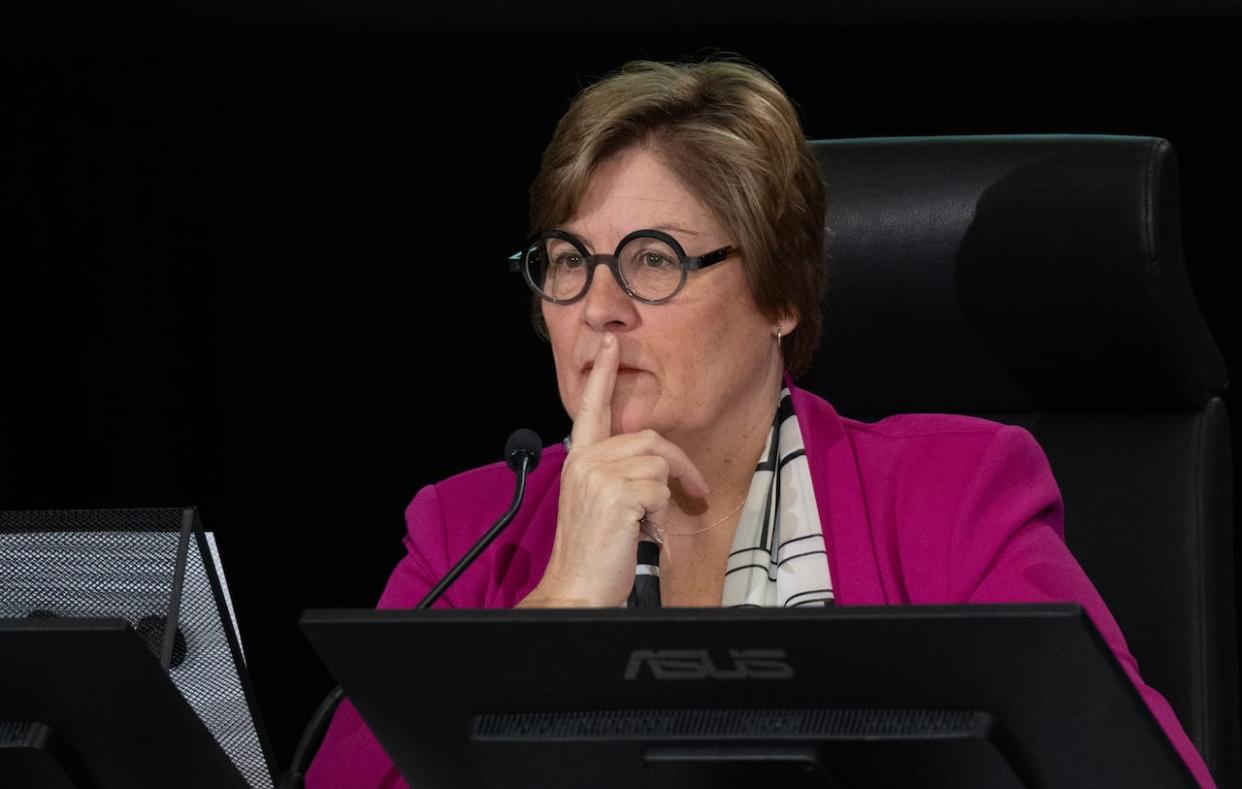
pixel 515 261
pixel 710 259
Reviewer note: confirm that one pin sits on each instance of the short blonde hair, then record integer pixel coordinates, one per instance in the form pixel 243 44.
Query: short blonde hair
pixel 729 132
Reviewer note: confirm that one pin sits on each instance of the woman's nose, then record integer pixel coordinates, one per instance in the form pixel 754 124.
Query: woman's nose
pixel 606 306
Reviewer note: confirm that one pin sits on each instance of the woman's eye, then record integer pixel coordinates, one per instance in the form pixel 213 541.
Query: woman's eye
pixel 655 260
pixel 567 260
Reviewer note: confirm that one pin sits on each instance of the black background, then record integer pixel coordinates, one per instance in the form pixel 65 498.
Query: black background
pixel 253 255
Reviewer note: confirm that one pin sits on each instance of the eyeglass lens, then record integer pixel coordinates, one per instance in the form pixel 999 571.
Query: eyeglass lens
pixel 649 267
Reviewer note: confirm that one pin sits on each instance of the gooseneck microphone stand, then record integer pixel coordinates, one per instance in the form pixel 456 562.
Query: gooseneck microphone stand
pixel 522 452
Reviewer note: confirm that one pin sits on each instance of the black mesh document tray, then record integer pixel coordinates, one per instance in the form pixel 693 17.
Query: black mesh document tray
pixel 160 571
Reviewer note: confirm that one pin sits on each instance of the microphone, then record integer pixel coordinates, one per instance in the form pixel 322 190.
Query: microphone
pixel 523 443
pixel 522 452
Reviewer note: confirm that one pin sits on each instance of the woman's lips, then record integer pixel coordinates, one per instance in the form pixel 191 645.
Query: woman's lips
pixel 622 369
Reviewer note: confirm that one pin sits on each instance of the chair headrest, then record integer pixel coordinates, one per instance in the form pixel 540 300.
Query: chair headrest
pixel 1008 273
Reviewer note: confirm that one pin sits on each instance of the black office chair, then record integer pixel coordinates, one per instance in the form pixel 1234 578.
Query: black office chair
pixel 1038 280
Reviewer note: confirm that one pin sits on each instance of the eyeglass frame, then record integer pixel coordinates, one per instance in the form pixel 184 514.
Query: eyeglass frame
pixel 518 260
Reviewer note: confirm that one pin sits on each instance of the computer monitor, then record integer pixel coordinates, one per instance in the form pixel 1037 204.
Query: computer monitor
pixel 85 705
pixel 978 696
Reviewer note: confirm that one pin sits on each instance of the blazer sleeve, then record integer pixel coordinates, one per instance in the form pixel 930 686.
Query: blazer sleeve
pixel 1008 546
pixel 350 756
pixel 426 555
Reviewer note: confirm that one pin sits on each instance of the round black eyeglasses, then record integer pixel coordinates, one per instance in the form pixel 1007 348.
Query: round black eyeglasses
pixel 649 265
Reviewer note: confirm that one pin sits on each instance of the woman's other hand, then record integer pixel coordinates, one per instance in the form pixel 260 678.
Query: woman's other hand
pixel 608 485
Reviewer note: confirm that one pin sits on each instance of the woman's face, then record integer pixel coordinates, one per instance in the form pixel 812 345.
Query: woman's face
pixel 689 365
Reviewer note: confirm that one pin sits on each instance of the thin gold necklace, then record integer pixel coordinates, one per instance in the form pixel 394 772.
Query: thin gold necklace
pixel 708 527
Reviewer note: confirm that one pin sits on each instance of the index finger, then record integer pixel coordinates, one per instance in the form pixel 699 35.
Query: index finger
pixel 594 419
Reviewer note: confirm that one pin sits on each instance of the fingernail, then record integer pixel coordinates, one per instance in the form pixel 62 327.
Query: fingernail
pixel 610 340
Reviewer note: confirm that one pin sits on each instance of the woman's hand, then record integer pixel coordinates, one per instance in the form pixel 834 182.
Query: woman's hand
pixel 608 485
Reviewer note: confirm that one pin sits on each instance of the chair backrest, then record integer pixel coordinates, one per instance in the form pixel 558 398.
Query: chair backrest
pixel 1039 280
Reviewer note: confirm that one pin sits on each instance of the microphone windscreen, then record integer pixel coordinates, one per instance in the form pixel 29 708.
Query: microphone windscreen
pixel 523 443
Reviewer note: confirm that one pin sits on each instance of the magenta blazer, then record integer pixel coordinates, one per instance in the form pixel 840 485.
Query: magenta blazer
pixel 923 509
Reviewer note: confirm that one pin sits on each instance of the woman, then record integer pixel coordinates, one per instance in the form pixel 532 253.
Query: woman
pixel 691 449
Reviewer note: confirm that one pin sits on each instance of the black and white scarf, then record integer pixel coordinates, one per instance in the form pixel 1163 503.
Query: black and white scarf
pixel 779 557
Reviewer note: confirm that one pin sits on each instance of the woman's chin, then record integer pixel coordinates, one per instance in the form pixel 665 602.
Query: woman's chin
pixel 623 421
pixel 634 415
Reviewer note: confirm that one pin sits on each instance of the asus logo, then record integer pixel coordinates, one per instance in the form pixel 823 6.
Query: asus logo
pixel 699 664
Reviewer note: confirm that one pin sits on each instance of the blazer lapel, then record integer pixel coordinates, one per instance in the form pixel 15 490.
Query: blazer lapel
pixel 856 578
